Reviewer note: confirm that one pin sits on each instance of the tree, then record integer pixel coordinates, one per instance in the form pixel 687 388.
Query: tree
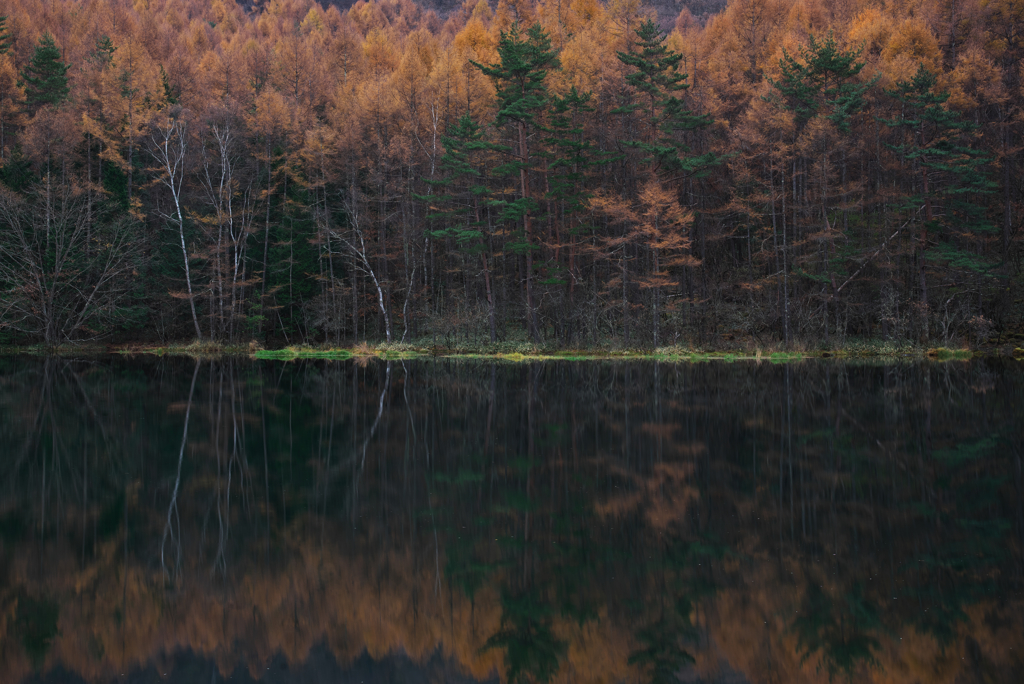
pixel 458 207
pixel 657 81
pixel 45 78
pixel 571 154
pixel 936 141
pixel 169 147
pixel 531 648
pixel 819 87
pixel 522 100
pixel 53 287
pixel 5 37
pixel 819 81
pixel 10 101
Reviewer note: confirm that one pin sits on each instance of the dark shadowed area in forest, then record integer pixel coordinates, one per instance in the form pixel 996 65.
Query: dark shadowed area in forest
pixel 179 520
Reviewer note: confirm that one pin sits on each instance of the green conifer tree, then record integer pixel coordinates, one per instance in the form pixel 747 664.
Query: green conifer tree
pixel 103 54
pixel 658 83
pixel 820 81
pixel 5 37
pixel 518 78
pixel 570 156
pixel 937 141
pixel 165 81
pixel 457 206
pixel 45 78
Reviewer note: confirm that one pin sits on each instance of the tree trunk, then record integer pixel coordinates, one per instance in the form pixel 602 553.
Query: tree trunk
pixel 531 314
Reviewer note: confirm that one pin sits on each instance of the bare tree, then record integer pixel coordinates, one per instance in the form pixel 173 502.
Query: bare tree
pixel 233 214
pixel 169 147
pixel 355 242
pixel 54 284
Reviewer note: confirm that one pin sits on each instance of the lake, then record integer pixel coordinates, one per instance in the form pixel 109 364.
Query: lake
pixel 173 520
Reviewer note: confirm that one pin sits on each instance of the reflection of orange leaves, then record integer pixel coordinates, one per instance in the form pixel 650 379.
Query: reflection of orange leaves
pixel 670 495
pixel 598 652
pixel 619 504
pixel 334 595
pixel 664 495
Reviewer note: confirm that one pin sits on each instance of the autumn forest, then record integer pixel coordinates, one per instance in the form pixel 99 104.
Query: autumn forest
pixel 567 172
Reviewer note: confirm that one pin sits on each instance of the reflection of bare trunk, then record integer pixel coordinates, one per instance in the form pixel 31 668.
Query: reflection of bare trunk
pixel 224 511
pixel 266 467
pixel 366 442
pixel 426 482
pixel 531 388
pixel 172 508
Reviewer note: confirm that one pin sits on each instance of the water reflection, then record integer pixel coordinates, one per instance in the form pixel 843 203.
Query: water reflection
pixel 549 522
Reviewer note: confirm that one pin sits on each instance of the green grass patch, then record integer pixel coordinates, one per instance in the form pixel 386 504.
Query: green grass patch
pixel 275 354
pixel 943 354
pixel 292 353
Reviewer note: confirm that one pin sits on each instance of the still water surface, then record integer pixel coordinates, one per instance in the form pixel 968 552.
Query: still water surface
pixel 167 520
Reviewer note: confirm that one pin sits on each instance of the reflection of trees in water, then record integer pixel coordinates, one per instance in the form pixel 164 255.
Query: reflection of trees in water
pixel 531 650
pixel 844 631
pixel 798 520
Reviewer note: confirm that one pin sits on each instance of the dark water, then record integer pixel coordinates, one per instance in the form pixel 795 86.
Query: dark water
pixel 168 520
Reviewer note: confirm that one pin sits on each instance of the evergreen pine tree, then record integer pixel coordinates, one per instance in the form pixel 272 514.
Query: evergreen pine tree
pixel 103 54
pixel 45 78
pixel 658 83
pixel 571 153
pixel 5 37
pixel 522 101
pixel 461 193
pixel 937 141
pixel 165 81
pixel 820 82
pixel 457 207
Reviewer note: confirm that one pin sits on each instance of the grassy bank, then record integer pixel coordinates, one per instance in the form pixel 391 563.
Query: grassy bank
pixel 523 352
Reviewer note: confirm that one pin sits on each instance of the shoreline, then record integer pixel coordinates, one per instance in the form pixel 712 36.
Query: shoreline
pixel 519 352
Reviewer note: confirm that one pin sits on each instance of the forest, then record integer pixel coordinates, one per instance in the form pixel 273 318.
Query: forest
pixel 569 173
